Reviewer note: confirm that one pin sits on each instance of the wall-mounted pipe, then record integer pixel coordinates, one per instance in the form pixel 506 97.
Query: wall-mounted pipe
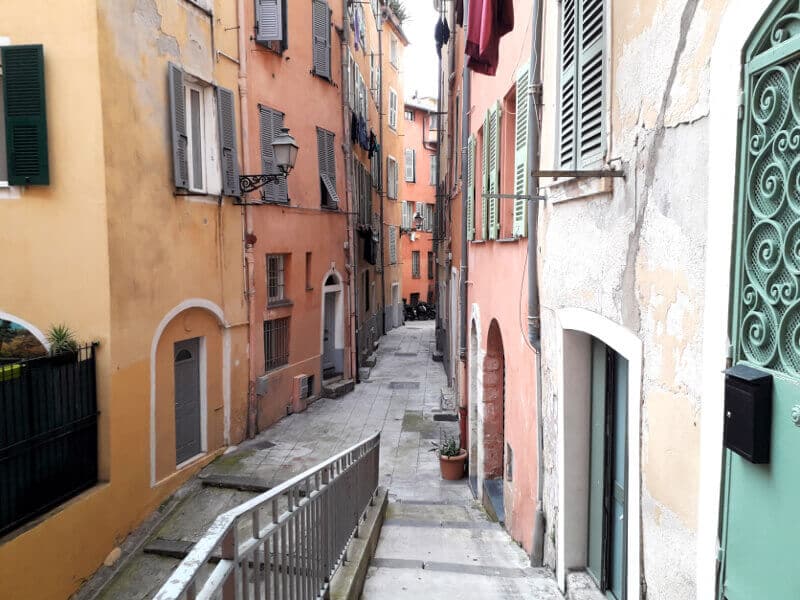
pixel 534 319
pixel 466 103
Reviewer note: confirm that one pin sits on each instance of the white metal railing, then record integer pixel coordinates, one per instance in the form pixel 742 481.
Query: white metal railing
pixel 286 543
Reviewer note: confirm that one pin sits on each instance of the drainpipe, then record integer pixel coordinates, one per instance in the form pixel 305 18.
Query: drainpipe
pixel 439 229
pixel 352 264
pixel 381 191
pixel 534 319
pixel 249 255
pixel 466 102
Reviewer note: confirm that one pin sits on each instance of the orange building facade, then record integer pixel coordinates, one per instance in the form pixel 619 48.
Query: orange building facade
pixel 418 197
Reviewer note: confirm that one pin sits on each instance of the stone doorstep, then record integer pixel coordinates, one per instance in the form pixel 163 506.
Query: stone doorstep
pixel 337 389
pixel 347 582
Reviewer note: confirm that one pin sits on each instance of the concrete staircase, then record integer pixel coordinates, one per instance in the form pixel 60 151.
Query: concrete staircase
pixel 337 387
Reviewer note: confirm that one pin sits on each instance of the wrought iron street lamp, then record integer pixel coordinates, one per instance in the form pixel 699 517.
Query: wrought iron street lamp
pixel 284 149
pixel 418 221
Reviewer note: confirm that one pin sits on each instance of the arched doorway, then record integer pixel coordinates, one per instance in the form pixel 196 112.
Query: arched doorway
pixel 494 380
pixel 332 326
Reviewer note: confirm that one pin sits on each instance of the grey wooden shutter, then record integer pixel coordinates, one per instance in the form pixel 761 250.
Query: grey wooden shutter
pixel 568 116
pixel 326 158
pixel 321 31
pixel 521 153
pixel 269 20
pixel 25 114
pixel 270 123
pixel 226 115
pixel 590 76
pixel 180 136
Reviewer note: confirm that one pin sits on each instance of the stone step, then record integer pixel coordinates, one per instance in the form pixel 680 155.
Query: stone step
pixel 493 499
pixel 581 586
pixel 337 389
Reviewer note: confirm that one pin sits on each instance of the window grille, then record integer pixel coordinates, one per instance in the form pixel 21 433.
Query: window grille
pixel 415 264
pixel 276 343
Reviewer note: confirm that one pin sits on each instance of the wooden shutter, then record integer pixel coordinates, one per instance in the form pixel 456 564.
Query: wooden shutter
pixel 269 20
pixel 326 156
pixel 568 116
pixel 321 30
pixel 521 152
pixel 410 167
pixel 471 188
pixel 25 114
pixel 494 171
pixel 180 136
pixel 590 77
pixel 485 180
pixel 270 124
pixel 392 244
pixel 226 115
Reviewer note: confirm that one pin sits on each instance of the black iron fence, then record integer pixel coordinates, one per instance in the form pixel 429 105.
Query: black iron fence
pixel 48 433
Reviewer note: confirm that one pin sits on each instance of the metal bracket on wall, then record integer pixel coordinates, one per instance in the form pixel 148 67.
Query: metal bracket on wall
pixel 513 197
pixel 571 174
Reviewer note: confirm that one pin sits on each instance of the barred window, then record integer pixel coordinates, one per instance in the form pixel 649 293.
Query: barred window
pixel 276 278
pixel 415 264
pixel 276 343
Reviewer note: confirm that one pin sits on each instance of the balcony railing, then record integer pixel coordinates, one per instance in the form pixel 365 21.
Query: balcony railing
pixel 48 433
pixel 285 543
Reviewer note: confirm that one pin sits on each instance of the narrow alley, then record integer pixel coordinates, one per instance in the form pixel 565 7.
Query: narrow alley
pixel 435 537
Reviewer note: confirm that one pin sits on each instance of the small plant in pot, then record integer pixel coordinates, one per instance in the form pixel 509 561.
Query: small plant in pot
pixel 62 341
pixel 451 457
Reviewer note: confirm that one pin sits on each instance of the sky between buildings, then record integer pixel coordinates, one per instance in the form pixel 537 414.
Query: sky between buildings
pixel 420 62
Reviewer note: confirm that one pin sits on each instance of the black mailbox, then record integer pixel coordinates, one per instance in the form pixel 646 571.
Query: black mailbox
pixel 748 413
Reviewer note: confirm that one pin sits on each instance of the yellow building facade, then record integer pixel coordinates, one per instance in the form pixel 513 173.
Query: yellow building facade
pixel 127 254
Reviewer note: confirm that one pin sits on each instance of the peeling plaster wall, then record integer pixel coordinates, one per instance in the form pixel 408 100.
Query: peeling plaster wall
pixel 633 251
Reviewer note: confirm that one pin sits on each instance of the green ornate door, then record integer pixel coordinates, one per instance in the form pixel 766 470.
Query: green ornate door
pixel 760 532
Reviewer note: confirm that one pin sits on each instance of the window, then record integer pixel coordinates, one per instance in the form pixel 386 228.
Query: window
pixel 391 177
pixel 521 112
pixel 276 343
pixel 309 287
pixel 430 265
pixel 434 169
pixel 408 214
pixel 271 24
pixel 374 75
pixel 409 115
pixel 415 264
pixel 394 53
pixel 276 281
pixel 203 139
pixel 375 167
pixel 392 245
pixel 270 124
pixel 582 130
pixel 327 167
pixel 321 33
pixel 427 217
pixel 363 194
pixel 434 122
pixel 410 165
pixel 392 109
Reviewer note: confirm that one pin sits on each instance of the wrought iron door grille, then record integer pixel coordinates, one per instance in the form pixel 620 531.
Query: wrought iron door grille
pixel 276 343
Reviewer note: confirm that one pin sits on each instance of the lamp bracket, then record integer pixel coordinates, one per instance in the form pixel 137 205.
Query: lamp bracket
pixel 250 183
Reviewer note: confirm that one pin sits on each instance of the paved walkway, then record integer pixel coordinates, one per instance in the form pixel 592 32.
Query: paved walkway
pixel 436 542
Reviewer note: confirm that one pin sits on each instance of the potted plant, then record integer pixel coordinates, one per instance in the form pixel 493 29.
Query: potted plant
pixel 451 457
pixel 63 343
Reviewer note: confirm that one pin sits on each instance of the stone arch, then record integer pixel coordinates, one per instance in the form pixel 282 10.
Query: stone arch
pixel 494 375
pixel 193 318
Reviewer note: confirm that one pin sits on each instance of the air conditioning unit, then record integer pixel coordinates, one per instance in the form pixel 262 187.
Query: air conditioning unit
pixel 302 390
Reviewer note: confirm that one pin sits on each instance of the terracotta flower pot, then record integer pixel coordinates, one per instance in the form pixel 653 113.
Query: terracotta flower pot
pixel 452 467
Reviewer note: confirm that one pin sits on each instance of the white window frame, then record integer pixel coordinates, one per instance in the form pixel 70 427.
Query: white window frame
pixel 408 114
pixel 391 177
pixel 7 192
pixel 394 54
pixel 209 143
pixel 280 279
pixel 434 169
pixel 392 109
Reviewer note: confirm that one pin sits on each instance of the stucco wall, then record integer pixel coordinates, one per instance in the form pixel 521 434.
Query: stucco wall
pixel 633 251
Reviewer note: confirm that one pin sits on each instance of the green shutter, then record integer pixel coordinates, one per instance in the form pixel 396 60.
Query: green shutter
pixel 590 87
pixel 494 171
pixel 568 117
pixel 485 185
pixel 521 153
pixel 469 200
pixel 26 115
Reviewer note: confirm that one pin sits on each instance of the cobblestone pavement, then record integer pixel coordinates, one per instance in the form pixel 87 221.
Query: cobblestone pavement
pixel 436 543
